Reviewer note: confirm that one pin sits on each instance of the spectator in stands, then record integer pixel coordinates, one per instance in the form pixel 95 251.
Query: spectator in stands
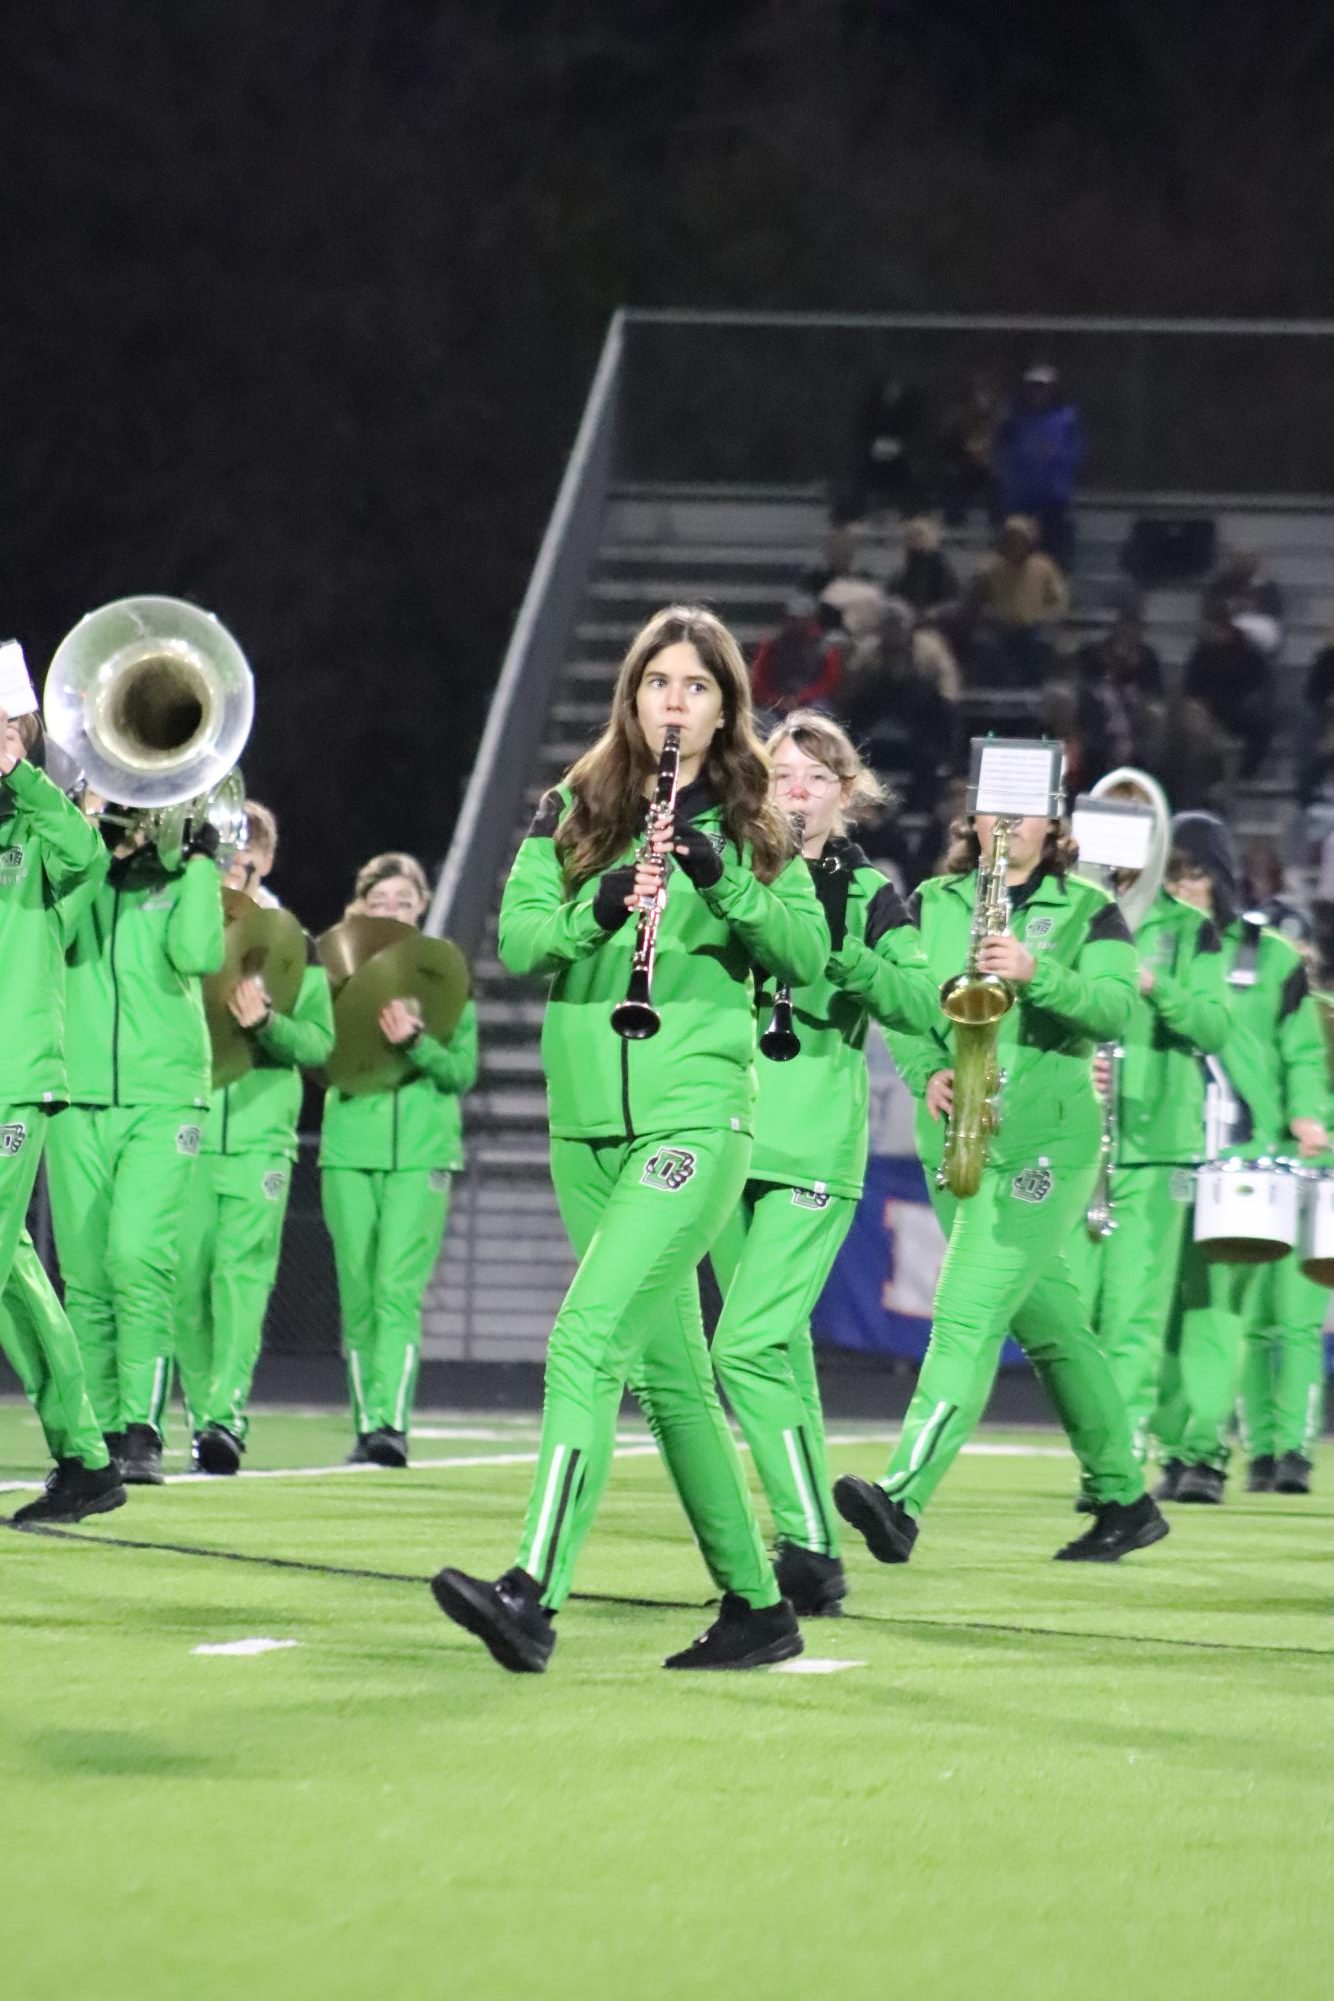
pixel 925 578
pixel 1039 451
pixel 1264 889
pixel 1227 704
pixel 1018 598
pixel 1122 694
pixel 857 606
pixel 896 702
pixel 1240 588
pixel 890 448
pixel 967 476
pixel 799 666
pixel 1320 680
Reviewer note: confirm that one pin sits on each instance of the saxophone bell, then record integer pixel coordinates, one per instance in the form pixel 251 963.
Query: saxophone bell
pixel 977 1002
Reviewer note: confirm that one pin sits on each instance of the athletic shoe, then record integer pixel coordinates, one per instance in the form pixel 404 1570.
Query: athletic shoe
pixel 217 1450
pixel 1260 1474
pixel 386 1447
pixel 1292 1475
pixel 1167 1487
pixel 1202 1484
pixel 889 1530
pixel 1086 1505
pixel 115 1444
pixel 507 1616
pixel 72 1491
pixel 1117 1529
pixel 814 1585
pixel 743 1637
pixel 359 1456
pixel 141 1457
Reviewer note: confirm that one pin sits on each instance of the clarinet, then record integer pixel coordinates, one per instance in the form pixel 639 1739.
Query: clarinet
pixel 635 1017
pixel 780 1041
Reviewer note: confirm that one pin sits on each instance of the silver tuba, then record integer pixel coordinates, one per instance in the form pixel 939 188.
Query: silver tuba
pixel 153 699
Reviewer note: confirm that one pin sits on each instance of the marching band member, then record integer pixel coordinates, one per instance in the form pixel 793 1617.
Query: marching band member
pixel 1179 1014
pixel 775 1251
pixel 385 1165
pixel 650 1138
pixel 238 1199
pixel 122 1157
pixel 1068 958
pixel 47 852
pixel 1274 1062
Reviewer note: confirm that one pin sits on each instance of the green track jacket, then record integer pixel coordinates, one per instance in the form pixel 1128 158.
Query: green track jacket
pixel 47 851
pixel 1160 1104
pixel 1274 1054
pixel 420 1124
pixel 259 1112
pixel 698 1072
pixel 136 1028
pixel 811 1119
pixel 1081 994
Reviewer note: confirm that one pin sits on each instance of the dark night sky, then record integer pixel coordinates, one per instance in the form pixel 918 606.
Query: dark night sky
pixel 302 303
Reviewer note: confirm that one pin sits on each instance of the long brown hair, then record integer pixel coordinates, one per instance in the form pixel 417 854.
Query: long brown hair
pixel 608 781
pixel 1058 856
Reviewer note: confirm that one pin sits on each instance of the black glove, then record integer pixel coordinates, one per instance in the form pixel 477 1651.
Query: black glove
pixel 204 840
pixel 886 913
pixel 609 898
pixel 832 886
pixel 697 855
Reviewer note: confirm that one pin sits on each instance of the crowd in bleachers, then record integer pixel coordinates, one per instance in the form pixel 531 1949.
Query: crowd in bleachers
pixel 916 643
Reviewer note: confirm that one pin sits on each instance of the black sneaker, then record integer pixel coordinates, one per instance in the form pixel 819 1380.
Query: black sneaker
pixel 1202 1484
pixel 115 1445
pixel 141 1457
pixel 888 1528
pixel 217 1450
pixel 1172 1470
pixel 742 1637
pixel 359 1456
pixel 1086 1505
pixel 506 1616
pixel 73 1490
pixel 1117 1528
pixel 814 1585
pixel 1292 1475
pixel 387 1448
pixel 1260 1474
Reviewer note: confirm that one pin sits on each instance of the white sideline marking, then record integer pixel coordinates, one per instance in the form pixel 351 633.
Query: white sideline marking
pixel 805 1664
pixel 247 1647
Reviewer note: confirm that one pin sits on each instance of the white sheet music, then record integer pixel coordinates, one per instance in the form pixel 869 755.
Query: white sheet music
pixel 1018 778
pixel 17 695
pixel 1112 835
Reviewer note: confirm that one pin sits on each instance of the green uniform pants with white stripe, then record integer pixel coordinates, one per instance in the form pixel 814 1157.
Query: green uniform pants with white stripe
pixel 229 1261
pixel 387 1226
pixel 1007 1268
pixel 120 1183
pixel 43 1353
pixel 1127 1281
pixel 1201 1365
pixel 1282 1366
pixel 771 1259
pixel 641 1214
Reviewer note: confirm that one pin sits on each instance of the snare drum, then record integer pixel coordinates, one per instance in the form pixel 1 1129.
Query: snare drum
pixel 1318 1229
pixel 1247 1212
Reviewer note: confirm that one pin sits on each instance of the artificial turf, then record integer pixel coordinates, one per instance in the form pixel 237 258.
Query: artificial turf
pixel 1039 1780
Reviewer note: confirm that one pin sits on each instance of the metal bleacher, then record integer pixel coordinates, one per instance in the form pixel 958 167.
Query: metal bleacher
pixel 617 549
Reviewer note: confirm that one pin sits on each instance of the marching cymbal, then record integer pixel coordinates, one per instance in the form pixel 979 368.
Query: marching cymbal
pixel 348 945
pixel 430 971
pixel 258 942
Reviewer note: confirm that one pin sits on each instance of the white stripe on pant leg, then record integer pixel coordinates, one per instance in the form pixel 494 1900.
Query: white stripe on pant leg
pixel 1315 1411
pixel 814 1525
pixel 537 1554
pixel 159 1396
pixel 400 1402
pixel 919 1451
pixel 358 1396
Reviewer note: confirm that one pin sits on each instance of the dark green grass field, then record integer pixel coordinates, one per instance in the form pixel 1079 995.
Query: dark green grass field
pixel 1035 1779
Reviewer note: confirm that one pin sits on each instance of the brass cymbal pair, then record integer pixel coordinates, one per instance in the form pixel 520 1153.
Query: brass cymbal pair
pixel 258 942
pixel 370 962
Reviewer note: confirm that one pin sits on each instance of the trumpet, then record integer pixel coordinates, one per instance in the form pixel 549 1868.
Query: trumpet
pixel 780 1041
pixel 635 1018
pixel 976 1002
pixel 1100 1216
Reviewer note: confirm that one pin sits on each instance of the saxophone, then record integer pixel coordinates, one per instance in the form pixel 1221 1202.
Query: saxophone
pixel 975 1002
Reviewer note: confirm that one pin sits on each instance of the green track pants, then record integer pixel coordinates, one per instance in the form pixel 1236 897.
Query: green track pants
pixel 1007 1268
pixel 641 1215
pixel 120 1186
pixel 1127 1281
pixel 1282 1367
pixel 23 1134
pixel 1201 1365
pixel 771 1258
pixel 229 1261
pixel 44 1355
pixel 387 1226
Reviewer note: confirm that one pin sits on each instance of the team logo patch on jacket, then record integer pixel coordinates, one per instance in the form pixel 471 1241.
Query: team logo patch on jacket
pixel 12 1138
pixel 810 1198
pixel 273 1184
pixel 671 1167
pixel 1033 1185
pixel 188 1139
pixel 11 865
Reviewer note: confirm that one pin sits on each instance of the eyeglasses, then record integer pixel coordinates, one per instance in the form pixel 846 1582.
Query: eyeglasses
pixel 814 783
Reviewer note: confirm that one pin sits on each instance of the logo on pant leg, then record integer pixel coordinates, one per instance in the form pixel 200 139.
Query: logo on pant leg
pixel 1183 1184
pixel 809 1198
pixel 12 1138
pixel 1033 1185
pixel 273 1184
pixel 437 1180
pixel 671 1167
pixel 188 1139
